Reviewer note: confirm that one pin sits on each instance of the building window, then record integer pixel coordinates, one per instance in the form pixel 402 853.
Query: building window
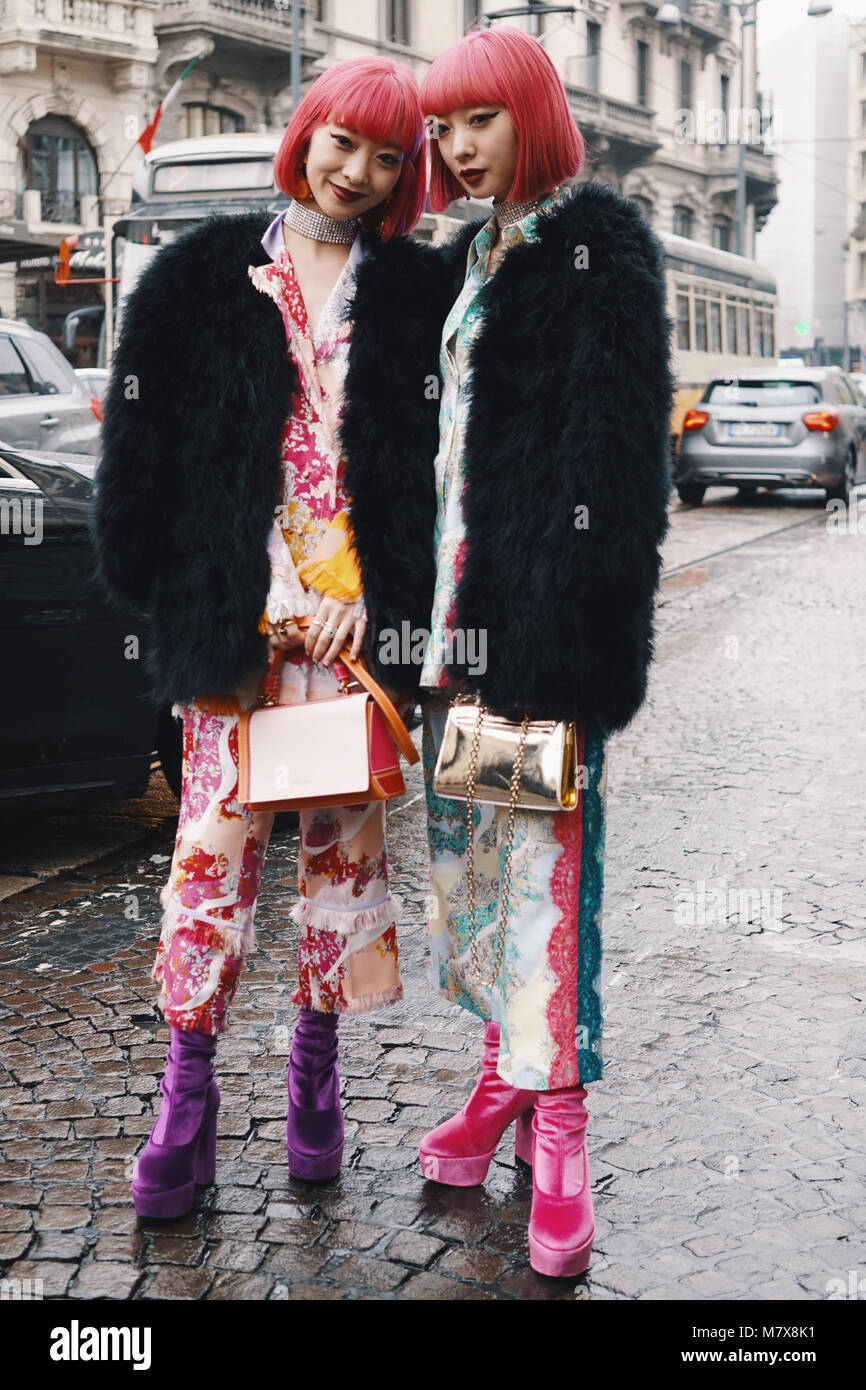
pixel 724 99
pixel 684 336
pixel 643 57
pixel 471 14
pixel 722 233
pixel 202 119
pixel 646 207
pixel 683 221
pixel 863 67
pixel 715 325
pixel 863 118
pixel 593 55
pixel 398 22
pixel 56 158
pixel 861 269
pixel 863 166
pixel 685 85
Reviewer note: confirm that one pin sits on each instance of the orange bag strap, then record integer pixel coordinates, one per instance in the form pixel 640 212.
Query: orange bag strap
pixel 358 668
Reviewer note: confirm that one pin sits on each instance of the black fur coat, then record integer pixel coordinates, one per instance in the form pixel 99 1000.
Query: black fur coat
pixel 190 472
pixel 571 395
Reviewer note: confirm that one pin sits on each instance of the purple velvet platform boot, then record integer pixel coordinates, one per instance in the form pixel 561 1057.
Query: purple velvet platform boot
pixel 181 1150
pixel 314 1129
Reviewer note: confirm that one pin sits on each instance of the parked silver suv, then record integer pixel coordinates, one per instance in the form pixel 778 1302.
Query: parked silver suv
pixel 43 405
pixel 774 428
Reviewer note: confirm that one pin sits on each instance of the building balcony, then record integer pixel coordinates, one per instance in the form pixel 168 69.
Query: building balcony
pixel 705 21
pixel 708 18
pixel 251 29
pixel 623 133
pixel 761 178
pixel 118 29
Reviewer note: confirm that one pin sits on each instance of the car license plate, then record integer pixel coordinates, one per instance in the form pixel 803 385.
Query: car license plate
pixel 754 428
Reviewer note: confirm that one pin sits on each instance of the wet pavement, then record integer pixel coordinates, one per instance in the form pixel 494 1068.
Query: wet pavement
pixel 726 1138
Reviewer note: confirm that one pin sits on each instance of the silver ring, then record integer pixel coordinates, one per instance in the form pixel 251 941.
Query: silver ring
pixel 315 622
pixel 331 631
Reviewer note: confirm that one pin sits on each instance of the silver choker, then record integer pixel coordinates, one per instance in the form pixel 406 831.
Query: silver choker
pixel 509 213
pixel 318 226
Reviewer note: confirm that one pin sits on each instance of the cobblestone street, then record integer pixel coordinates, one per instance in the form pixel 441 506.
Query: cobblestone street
pixel 727 1142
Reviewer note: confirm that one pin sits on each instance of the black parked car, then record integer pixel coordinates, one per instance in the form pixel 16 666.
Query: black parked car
pixel 76 714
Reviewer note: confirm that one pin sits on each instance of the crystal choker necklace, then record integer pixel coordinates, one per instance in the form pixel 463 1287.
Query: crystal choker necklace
pixel 318 225
pixel 509 213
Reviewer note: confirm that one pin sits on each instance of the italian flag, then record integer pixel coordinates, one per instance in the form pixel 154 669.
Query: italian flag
pixel 145 139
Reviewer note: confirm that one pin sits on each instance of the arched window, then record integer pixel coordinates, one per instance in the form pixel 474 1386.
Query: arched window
pixel 683 221
pixel 56 157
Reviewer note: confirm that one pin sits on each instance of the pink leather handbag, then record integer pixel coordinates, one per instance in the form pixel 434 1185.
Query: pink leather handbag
pixel 333 752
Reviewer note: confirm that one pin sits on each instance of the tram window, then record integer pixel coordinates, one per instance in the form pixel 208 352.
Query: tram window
pixel 684 337
pixel 700 324
pixel 744 327
pixel 715 325
pixel 731 326
pixel 767 319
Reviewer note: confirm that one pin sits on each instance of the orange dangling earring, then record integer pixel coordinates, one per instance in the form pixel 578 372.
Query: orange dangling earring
pixel 386 208
pixel 304 189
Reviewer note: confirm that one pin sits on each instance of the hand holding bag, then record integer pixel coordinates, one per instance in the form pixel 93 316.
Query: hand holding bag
pixel 338 751
pixel 484 757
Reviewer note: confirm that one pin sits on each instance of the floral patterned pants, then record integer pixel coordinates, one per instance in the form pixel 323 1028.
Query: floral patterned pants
pixel 346 914
pixel 548 997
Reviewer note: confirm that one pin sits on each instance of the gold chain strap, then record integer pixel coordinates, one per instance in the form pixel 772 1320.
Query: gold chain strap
pixel 514 792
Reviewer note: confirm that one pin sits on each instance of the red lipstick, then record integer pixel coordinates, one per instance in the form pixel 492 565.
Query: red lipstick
pixel 344 194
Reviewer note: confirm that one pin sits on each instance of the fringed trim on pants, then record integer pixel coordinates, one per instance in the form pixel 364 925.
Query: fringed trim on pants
pixel 346 921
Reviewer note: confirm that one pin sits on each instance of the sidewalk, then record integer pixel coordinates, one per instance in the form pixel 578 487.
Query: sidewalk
pixel 727 1135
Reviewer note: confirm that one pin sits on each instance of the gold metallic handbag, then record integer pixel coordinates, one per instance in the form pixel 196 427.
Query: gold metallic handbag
pixel 484 757
pixel 487 746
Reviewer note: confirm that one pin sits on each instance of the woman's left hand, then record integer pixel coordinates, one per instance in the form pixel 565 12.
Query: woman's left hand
pixel 330 629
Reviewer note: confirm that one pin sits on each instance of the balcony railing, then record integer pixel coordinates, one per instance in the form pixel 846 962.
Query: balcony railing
pixel 608 113
pixel 120 25
pixel 711 15
pixel 277 12
pixel 54 205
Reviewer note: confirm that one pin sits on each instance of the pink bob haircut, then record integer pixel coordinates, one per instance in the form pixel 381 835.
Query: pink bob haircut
pixel 508 68
pixel 380 100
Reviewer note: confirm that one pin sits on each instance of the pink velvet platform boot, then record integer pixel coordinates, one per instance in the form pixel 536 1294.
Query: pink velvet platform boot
pixel 459 1151
pixel 181 1150
pixel 562 1223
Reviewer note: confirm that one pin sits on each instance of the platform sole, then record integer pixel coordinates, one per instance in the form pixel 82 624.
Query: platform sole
pixel 559 1264
pixel 315 1167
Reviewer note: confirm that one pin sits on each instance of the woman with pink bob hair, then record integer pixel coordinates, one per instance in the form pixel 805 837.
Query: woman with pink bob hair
pixel 552 482
pixel 280 364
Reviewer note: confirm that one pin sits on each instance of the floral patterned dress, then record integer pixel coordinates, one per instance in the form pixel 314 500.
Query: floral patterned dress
pixel 346 914
pixel 548 996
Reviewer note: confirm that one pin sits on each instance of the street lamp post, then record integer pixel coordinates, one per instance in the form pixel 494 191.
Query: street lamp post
pixel 669 14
